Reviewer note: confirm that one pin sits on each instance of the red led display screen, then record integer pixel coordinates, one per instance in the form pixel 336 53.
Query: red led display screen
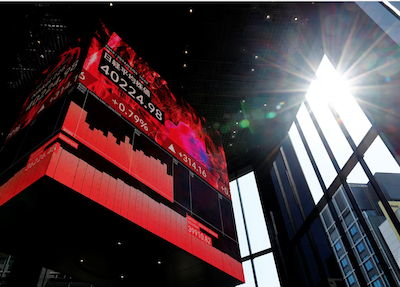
pixel 190 213
pixel 117 75
pixel 54 82
pixel 125 142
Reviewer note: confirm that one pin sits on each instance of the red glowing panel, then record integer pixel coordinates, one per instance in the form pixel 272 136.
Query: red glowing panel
pixel 148 170
pixel 194 229
pixel 125 82
pixel 135 206
pixel 55 81
pixel 34 170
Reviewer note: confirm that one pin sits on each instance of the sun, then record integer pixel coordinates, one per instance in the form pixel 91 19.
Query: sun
pixel 330 89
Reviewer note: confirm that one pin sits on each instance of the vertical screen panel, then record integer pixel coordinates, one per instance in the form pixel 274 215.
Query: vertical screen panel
pixel 181 185
pixel 227 217
pixel 205 202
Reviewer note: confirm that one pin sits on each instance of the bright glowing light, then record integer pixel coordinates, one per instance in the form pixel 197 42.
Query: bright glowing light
pixel 244 123
pixel 271 115
pixel 331 88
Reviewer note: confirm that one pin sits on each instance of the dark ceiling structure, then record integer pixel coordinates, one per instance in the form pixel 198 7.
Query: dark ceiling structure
pixel 242 66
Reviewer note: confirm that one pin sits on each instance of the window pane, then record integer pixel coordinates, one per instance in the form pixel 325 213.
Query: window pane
pixel 318 151
pixel 319 104
pixel 266 271
pixel 305 163
pixel 258 234
pixel 379 159
pixel 357 175
pixel 237 212
pixel 360 247
pixel 351 280
pixel 287 190
pixel 281 203
pixel 368 265
pixel 339 96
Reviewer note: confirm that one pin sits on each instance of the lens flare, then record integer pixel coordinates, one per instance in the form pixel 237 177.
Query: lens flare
pixel 258 115
pixel 370 61
pixel 388 67
pixel 271 115
pixel 244 123
pixel 224 129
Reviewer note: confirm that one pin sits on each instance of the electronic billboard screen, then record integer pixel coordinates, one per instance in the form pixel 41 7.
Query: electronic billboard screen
pixel 127 143
pixel 117 75
pixel 53 83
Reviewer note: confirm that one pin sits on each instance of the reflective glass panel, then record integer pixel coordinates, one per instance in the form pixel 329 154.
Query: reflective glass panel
pixel 334 136
pixel 338 95
pixel 237 212
pixel 248 275
pixel 305 163
pixel 379 159
pixel 266 271
pixel 317 148
pixel 258 234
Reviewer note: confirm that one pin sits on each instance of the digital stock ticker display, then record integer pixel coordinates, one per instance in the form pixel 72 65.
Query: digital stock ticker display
pixel 135 149
pixel 53 83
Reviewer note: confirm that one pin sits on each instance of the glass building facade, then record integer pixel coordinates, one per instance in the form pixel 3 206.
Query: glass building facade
pixel 255 247
pixel 337 174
